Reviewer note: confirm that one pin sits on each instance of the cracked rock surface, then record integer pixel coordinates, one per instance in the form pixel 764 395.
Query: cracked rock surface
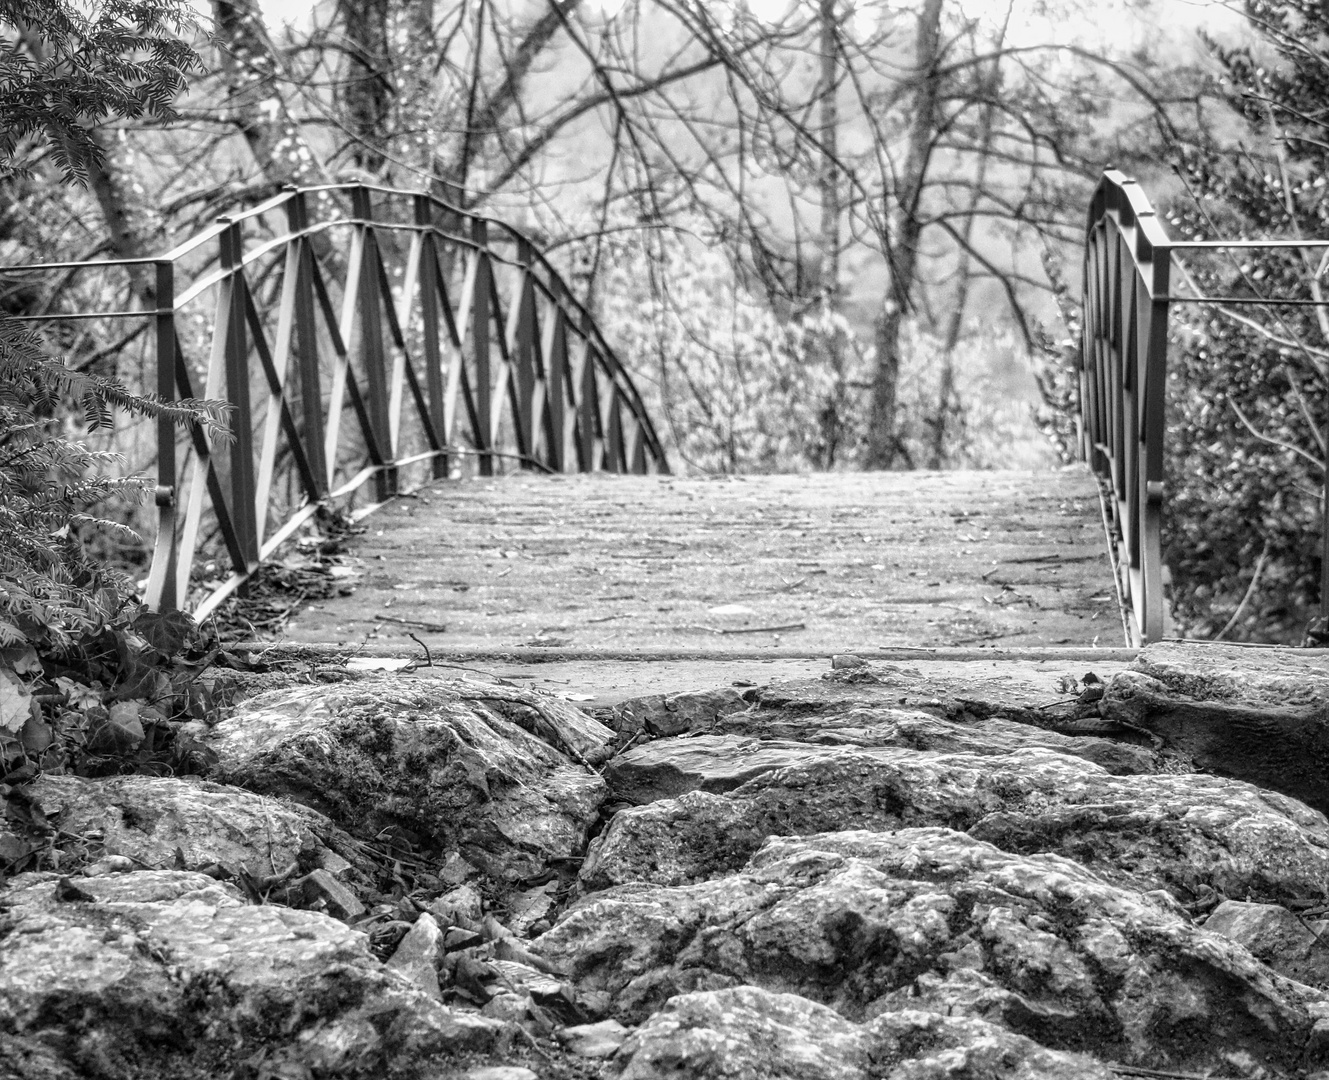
pixel 185 823
pixel 871 922
pixel 879 875
pixel 1186 832
pixel 501 777
pixel 171 973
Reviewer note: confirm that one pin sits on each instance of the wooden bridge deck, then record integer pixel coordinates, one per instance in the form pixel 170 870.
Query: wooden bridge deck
pixel 822 563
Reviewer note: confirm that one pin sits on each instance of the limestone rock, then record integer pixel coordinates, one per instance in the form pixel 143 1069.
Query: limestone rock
pixel 320 887
pixel 933 919
pixel 461 906
pixel 168 974
pixel 427 755
pixel 557 722
pixel 673 714
pixel 1292 947
pixel 667 767
pixel 417 955
pixel 150 818
pixel 746 1034
pixel 916 1045
pixel 599 1040
pixel 674 842
pixel 750 1034
pixel 794 712
pixel 1257 715
pixel 1185 832
pixel 1033 693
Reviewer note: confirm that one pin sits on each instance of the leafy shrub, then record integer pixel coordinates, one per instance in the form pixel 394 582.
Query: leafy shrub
pixel 51 593
pixel 88 681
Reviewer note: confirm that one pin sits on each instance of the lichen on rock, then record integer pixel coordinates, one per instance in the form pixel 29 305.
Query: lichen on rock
pixel 1182 832
pixel 430 756
pixel 875 922
pixel 169 973
pixel 165 822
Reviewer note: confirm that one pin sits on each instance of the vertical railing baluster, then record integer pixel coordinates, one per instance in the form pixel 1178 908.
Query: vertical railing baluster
pixel 588 412
pixel 306 345
pixel 522 352
pixel 484 382
pixel 237 392
pixel 372 353
pixel 615 458
pixel 429 312
pixel 556 368
pixel 161 591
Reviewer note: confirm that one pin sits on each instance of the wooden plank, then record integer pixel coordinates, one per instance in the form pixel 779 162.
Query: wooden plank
pixel 852 560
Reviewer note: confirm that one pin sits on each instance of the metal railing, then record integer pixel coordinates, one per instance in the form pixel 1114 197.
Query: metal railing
pixel 1128 270
pixel 367 326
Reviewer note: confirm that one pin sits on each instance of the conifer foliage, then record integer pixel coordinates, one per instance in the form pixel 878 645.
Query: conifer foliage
pixel 78 65
pixel 83 64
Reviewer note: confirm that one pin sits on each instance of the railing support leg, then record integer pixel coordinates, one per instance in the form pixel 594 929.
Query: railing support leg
pixel 161 591
pixel 237 392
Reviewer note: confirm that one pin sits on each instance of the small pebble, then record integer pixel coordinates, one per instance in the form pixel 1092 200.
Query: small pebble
pixel 109 864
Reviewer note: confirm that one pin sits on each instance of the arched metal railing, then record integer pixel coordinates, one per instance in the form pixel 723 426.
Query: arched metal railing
pixel 1128 271
pixel 441 331
pixel 1123 374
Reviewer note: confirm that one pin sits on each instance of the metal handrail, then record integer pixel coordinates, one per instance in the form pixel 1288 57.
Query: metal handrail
pixel 1127 297
pixel 530 373
pixel 1123 372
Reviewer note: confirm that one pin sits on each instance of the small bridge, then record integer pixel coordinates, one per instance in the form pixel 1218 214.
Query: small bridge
pixel 370 340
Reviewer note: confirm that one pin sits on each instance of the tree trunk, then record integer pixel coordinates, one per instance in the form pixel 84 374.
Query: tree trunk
pixel 905 234
pixel 253 102
pixel 954 326
pixel 367 93
pixel 416 121
pixel 832 420
pixel 828 179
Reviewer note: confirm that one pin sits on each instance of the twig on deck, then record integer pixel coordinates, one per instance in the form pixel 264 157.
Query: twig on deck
pixel 429 660
pixel 750 629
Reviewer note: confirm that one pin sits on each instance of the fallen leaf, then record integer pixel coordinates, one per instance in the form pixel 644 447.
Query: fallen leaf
pixel 21 659
pixel 78 695
pixel 15 701
pixel 36 735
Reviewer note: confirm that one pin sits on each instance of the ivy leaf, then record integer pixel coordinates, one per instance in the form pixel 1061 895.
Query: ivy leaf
pixel 122 731
pixel 78 695
pixel 165 632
